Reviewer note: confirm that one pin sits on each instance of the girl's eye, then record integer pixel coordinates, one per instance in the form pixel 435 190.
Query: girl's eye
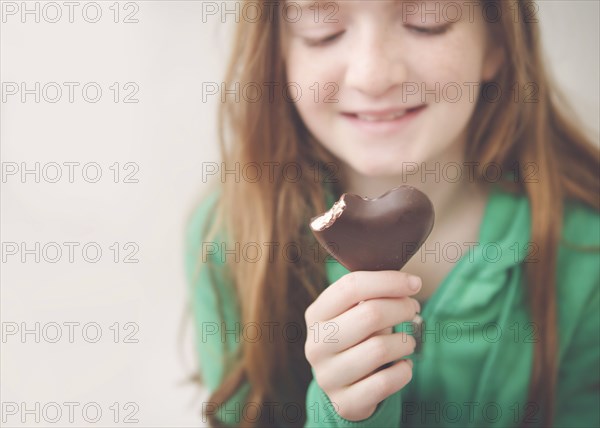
pixel 440 29
pixel 322 42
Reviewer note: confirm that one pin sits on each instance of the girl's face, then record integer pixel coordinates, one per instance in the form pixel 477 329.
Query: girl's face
pixel 360 74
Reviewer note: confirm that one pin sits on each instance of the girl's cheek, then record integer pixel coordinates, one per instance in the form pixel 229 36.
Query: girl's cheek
pixel 312 74
pixel 447 70
pixel 455 57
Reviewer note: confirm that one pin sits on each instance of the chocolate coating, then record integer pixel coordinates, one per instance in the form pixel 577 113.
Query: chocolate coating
pixel 376 234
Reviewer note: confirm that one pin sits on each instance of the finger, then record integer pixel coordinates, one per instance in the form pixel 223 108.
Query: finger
pixel 381 384
pixel 361 321
pixel 354 287
pixel 387 330
pixel 363 359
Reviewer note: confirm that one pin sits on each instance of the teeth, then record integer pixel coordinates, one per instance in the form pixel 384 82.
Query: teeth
pixel 370 118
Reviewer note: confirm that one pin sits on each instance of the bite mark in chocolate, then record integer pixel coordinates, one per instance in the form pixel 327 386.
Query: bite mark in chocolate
pixel 375 234
pixel 325 220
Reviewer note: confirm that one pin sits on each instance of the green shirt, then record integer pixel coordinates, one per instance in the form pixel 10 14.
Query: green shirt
pixel 475 363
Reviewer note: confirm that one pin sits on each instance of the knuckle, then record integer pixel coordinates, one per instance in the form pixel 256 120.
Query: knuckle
pixel 356 414
pixel 324 380
pixel 366 413
pixel 311 352
pixel 405 277
pixel 350 410
pixel 342 409
pixel 369 315
pixel 308 314
pixel 341 405
pixel 348 285
pixel 319 379
pixel 308 352
pixel 378 349
pixel 383 386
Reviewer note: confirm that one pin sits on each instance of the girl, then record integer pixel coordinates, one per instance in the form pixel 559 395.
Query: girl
pixel 362 96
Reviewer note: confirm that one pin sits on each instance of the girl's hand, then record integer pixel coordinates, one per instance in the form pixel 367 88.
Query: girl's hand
pixel 361 309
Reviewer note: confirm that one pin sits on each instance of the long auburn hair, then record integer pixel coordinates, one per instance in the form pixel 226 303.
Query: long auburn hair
pixel 505 132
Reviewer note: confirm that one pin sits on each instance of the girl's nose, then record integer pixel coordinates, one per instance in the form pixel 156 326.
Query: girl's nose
pixel 375 64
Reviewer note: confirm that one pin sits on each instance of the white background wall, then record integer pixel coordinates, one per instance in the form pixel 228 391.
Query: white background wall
pixel 167 134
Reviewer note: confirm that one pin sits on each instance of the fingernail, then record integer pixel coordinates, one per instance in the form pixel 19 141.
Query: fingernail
pixel 414 282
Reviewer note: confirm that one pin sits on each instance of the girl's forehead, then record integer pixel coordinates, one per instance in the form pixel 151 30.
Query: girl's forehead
pixel 403 6
pixel 305 12
pixel 383 3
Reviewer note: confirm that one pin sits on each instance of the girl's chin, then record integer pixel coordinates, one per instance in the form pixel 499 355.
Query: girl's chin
pixel 384 162
pixel 374 170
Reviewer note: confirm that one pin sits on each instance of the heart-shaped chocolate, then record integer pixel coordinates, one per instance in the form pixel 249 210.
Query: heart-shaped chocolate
pixel 375 234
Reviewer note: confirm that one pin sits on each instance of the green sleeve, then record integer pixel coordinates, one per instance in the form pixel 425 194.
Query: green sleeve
pixel 207 294
pixel 578 386
pixel 320 411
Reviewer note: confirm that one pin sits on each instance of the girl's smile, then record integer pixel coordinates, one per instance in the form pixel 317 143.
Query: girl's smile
pixel 383 122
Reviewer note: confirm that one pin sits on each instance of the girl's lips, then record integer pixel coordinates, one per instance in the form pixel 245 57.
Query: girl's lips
pixel 383 127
